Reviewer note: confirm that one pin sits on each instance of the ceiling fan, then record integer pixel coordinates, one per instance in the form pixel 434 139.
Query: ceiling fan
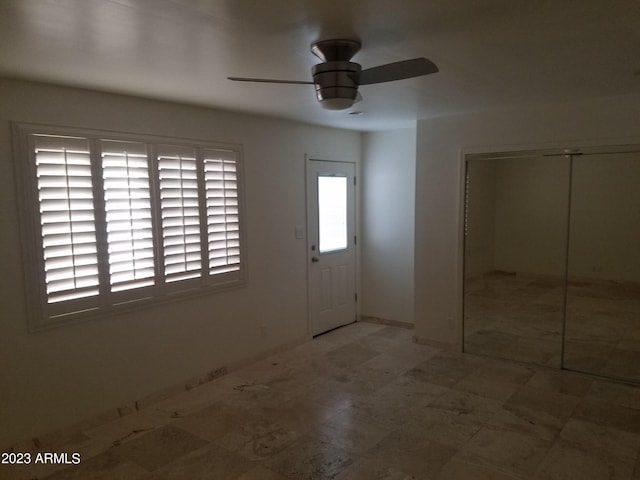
pixel 337 78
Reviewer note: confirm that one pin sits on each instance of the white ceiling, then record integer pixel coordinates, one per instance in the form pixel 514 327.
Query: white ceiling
pixel 491 53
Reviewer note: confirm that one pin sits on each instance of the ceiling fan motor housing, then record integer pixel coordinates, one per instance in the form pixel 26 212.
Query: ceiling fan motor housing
pixel 336 83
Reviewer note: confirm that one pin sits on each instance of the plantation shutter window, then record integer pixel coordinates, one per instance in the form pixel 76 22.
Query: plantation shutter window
pixel 179 201
pixel 127 198
pixel 223 228
pixel 65 197
pixel 112 222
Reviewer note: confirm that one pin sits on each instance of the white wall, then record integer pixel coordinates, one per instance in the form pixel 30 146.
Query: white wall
pixel 387 233
pixel 531 213
pixel 54 378
pixel 440 145
pixel 480 217
pixel 519 210
pixel 605 217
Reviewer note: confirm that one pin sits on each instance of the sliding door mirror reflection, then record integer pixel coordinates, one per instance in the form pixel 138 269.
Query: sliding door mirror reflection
pixel 515 246
pixel 602 333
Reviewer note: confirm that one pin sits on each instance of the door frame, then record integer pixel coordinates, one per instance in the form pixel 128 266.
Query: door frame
pixel 356 211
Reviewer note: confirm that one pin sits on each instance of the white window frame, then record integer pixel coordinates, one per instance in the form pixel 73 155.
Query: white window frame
pixel 43 314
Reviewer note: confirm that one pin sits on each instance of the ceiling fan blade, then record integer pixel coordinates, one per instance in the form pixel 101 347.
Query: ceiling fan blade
pixel 397 71
pixel 268 80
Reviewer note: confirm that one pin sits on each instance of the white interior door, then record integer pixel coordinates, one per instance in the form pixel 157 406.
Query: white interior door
pixel 331 237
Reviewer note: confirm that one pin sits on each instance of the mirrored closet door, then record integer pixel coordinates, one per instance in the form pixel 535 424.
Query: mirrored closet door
pixel 552 260
pixel 515 257
pixel 602 326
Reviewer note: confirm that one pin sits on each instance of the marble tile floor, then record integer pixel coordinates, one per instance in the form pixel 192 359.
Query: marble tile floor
pixel 521 318
pixel 362 403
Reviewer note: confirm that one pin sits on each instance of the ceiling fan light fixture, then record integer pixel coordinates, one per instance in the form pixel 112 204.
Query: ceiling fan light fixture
pixel 336 84
pixel 331 99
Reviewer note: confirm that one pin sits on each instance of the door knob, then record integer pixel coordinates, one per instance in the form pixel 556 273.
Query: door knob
pixel 315 259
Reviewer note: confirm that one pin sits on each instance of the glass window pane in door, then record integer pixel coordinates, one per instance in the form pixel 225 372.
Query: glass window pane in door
pixel 332 213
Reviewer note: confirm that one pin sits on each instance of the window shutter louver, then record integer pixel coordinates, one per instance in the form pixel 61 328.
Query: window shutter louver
pixel 127 197
pixel 179 203
pixel 223 227
pixel 65 195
